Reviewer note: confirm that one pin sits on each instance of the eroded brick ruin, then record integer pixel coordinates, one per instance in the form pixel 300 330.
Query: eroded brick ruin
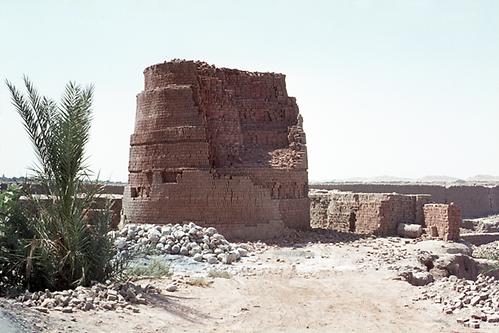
pixel 474 200
pixel 367 213
pixel 442 220
pixel 381 213
pixel 220 147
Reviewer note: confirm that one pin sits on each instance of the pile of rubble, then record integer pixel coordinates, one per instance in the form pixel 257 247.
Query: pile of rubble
pixel 475 301
pixel 481 225
pixel 109 296
pixel 202 244
pixel 487 251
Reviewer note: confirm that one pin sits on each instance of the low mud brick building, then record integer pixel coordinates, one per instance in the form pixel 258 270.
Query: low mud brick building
pixel 381 213
pixel 366 213
pixel 220 147
pixel 473 200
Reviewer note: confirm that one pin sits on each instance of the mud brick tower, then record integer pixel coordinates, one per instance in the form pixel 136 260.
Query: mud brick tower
pixel 220 147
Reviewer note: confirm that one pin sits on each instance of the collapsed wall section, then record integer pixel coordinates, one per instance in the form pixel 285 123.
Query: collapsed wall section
pixel 220 147
pixel 381 213
pixel 365 213
pixel 474 200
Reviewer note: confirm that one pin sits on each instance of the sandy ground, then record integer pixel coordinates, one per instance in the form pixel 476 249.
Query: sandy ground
pixel 309 288
pixel 281 302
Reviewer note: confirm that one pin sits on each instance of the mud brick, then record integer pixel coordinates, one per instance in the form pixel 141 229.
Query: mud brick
pixel 445 219
pixel 220 147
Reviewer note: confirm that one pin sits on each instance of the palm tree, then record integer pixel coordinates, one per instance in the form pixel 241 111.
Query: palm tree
pixel 66 250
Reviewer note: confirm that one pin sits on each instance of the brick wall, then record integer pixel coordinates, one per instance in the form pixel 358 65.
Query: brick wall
pixel 220 147
pixel 474 200
pixel 111 203
pixel 366 213
pixel 380 213
pixel 442 220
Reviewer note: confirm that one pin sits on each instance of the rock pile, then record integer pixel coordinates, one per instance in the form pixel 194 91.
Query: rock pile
pixel 487 251
pixel 475 300
pixel 202 244
pixel 109 296
pixel 483 224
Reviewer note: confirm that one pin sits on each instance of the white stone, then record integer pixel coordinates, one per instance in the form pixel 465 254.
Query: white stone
pixel 120 243
pixel 242 252
pixel 175 249
pixel 212 260
pixel 171 288
pixel 210 231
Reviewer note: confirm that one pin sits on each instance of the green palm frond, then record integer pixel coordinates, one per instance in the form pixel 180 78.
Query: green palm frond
pixel 63 241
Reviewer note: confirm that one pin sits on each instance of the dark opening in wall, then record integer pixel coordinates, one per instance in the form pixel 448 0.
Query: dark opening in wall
pixel 149 177
pixel 133 192
pixel 351 221
pixel 169 176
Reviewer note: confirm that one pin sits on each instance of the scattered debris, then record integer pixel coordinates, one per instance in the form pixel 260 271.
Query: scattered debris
pixel 109 296
pixel 475 301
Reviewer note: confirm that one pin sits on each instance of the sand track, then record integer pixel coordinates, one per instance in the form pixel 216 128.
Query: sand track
pixel 316 288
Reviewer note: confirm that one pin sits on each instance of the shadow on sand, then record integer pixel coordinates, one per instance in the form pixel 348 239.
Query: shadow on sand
pixel 172 304
pixel 298 238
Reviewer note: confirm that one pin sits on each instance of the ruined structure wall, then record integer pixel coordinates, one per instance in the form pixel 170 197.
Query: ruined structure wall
pixel 319 204
pixel 494 198
pixel 234 205
pixel 288 186
pixel 369 218
pixel 474 201
pixel 443 220
pixel 367 213
pixel 419 202
pixel 396 209
pixel 221 147
pixel 342 213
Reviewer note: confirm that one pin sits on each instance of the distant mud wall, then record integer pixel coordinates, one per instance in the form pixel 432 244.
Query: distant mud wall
pixel 37 189
pixel 474 201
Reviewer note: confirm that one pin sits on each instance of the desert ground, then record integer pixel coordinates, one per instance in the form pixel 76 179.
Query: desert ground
pixel 317 281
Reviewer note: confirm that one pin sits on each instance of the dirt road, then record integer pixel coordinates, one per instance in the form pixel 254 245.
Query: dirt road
pixel 314 288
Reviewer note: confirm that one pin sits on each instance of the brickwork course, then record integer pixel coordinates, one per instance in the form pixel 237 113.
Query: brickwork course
pixel 443 220
pixel 366 213
pixel 219 147
pixel 381 213
pixel 474 200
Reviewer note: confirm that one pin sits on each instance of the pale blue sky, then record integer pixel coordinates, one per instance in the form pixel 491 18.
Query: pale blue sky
pixel 402 87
